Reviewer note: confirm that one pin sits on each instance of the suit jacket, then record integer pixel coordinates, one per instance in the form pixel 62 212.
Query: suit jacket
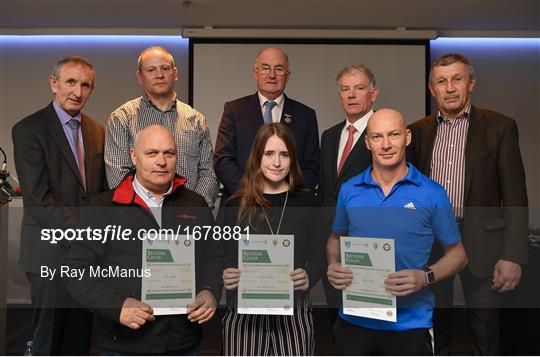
pixel 50 181
pixel 495 218
pixel 357 161
pixel 240 121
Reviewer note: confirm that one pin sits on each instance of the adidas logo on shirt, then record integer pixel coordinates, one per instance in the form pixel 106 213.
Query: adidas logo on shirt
pixel 410 205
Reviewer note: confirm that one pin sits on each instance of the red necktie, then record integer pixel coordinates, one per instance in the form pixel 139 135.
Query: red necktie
pixel 348 146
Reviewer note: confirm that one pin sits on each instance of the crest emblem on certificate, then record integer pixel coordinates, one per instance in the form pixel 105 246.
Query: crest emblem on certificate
pixel 286 242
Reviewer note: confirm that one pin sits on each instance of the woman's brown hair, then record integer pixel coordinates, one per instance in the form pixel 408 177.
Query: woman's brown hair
pixel 251 188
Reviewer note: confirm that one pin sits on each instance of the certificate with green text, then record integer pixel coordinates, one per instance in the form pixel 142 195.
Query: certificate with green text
pixel 265 287
pixel 371 260
pixel 169 283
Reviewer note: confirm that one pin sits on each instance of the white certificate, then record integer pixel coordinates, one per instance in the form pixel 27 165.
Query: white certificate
pixel 371 260
pixel 170 286
pixel 265 262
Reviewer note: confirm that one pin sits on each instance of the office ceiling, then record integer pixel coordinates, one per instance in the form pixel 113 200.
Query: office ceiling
pixel 441 15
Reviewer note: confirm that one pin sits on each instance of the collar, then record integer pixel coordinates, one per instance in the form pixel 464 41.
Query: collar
pixel 125 194
pixel 360 124
pixel 365 177
pixel 149 196
pixel 465 116
pixel 149 103
pixel 279 100
pixel 63 115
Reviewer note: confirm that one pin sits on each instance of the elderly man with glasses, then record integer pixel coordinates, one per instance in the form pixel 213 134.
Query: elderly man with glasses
pixel 242 117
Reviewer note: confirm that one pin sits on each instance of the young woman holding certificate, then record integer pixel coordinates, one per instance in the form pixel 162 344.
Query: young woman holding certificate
pixel 272 201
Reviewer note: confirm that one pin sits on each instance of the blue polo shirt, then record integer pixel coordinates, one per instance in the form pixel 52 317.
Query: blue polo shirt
pixel 415 212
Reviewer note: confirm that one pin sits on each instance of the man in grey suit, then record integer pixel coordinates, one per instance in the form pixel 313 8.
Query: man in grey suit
pixel 474 154
pixel 59 161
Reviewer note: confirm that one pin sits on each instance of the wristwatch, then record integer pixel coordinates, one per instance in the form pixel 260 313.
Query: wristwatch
pixel 430 275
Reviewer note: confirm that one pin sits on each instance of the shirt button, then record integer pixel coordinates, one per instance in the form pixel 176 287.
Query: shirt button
pixel 450 163
pixel 447 181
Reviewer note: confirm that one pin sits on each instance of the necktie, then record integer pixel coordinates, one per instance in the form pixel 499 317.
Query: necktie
pixel 74 125
pixel 268 106
pixel 348 146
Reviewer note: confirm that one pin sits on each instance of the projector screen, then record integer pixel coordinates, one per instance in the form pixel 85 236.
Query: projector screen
pixel 221 72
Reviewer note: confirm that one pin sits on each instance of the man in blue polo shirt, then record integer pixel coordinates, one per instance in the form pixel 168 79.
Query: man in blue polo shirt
pixel 392 199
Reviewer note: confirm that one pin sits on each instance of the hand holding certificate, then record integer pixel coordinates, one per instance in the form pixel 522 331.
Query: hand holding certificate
pixel 265 285
pixel 371 260
pixel 170 286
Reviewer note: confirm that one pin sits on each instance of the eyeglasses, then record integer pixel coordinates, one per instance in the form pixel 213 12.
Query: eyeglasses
pixel 280 70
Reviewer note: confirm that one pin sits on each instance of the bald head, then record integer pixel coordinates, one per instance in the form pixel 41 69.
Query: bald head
pixel 387 138
pixel 151 133
pixel 154 158
pixel 386 116
pixel 155 50
pixel 272 52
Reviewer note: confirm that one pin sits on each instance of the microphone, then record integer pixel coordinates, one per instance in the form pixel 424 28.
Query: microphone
pixel 5 196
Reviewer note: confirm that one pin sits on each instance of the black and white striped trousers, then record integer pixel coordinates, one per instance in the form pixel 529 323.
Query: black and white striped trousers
pixel 267 335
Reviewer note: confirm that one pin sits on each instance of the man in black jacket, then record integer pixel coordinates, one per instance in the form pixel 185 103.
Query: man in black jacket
pixel 153 198
pixel 343 150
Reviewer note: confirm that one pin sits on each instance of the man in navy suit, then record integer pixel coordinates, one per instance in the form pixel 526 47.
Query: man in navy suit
pixel 343 150
pixel 242 117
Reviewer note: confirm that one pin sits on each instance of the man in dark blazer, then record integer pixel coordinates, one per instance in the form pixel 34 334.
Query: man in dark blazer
pixel 357 92
pixel 242 118
pixel 59 161
pixel 474 153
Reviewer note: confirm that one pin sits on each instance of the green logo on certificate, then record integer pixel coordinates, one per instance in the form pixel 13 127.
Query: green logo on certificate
pixel 255 256
pixel 361 259
pixel 159 256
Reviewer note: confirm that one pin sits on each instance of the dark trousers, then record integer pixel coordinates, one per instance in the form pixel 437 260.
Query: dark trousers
pixel 483 314
pixel 352 340
pixel 190 351
pixel 59 325
pixel 333 300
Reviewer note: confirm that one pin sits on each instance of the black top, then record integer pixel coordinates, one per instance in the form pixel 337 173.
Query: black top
pixel 104 296
pixel 302 218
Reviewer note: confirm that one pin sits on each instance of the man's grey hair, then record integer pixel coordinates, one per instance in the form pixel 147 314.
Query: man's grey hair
pixel 275 48
pixel 450 58
pixel 358 67
pixel 73 60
